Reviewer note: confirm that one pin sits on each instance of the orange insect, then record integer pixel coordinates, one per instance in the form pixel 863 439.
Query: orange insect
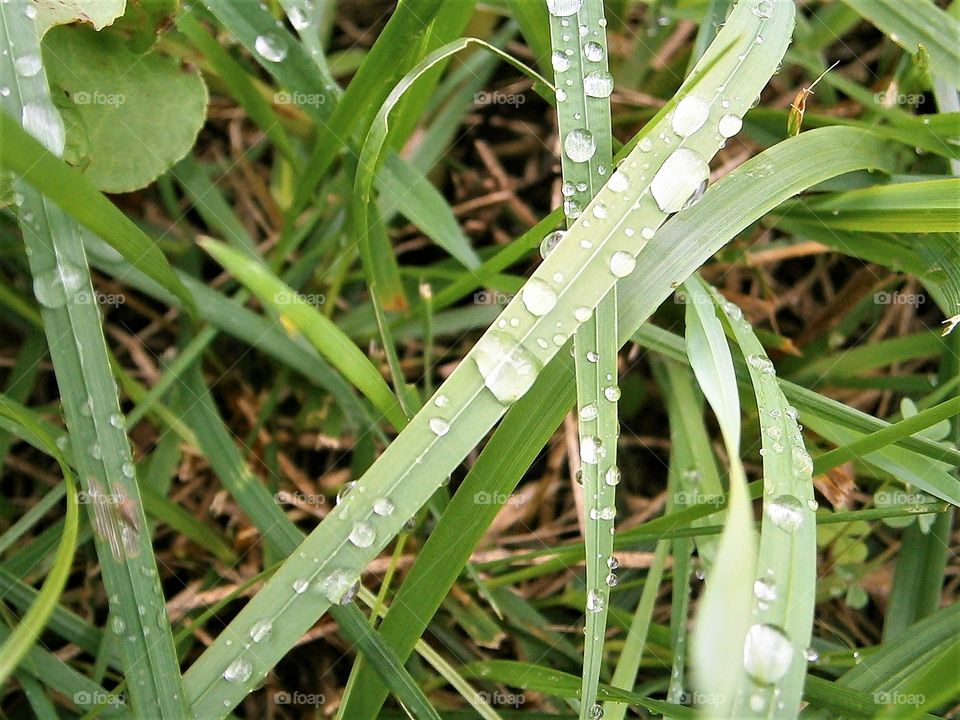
pixel 799 106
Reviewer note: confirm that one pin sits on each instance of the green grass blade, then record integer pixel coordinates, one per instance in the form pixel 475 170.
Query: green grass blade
pixel 720 636
pixel 87 390
pixel 784 587
pixel 584 83
pixel 499 370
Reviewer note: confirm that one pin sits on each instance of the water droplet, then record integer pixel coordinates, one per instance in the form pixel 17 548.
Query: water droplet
pixel 591 450
pixel 679 180
pixel 757 703
pixel 560 61
pixel 589 412
pixel 592 356
pixel 612 580
pixel 550 241
pixel 270 47
pixel 563 8
pixel 439 426
pixel 598 83
pixel 53 287
pixel 362 535
pixel 595 601
pixel 618 182
pixel 261 630
pixel 300 585
pixel 645 145
pixel 763 9
pixel 28 65
pixel 572 209
pixel 383 507
pixel 538 297
pixel 612 476
pixel 611 393
pixel 579 145
pixel 4 91
pixel 298 18
pixel 613 563
pixel 767 654
pixel 593 51
pixel 441 401
pixel 647 233
pixel 508 369
pixel 764 590
pixel 116 420
pixel 239 670
pixel 802 462
pixel 129 470
pixel 95 451
pixel 338 587
pixel 596 711
pixel 118 625
pixel 811 655
pixel 30 11
pixel 622 263
pixel 345 490
pixel 761 363
pixel 690 115
pixel 599 211
pixel 786 512
pixel 729 125
pixel 582 314
pixel 561 94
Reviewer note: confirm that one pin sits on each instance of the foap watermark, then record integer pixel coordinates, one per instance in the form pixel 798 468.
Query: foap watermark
pixel 299 98
pixel 99 298
pixel 898 298
pixel 288 297
pixel 499 98
pixel 890 98
pixel 699 699
pixel 284 697
pixel 900 497
pixel 680 297
pixel 98 698
pixel 96 97
pixel 496 697
pixel 285 497
pixel 695 497
pixel 497 498
pixel 895 697
pixel 491 297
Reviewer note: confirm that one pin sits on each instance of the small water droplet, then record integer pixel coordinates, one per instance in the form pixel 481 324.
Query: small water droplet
pixel 338 587
pixel 599 211
pixel 54 286
pixel 28 65
pixel 439 426
pixel 764 590
pixel 298 18
pixel 612 580
pixel 645 145
pixel 116 420
pixel 582 314
pixel 811 655
pixel 345 490
pixel 622 263
pixel 763 9
pixel 300 585
pixel 441 401
pixel 560 61
pixel 611 393
pixel 589 412
pixel 118 625
pixel 647 233
pixel 618 182
pixel 129 470
pixel 595 601
pixel 591 450
pixel 579 145
pixel 538 297
pixel 612 476
pixel 613 563
pixel 270 47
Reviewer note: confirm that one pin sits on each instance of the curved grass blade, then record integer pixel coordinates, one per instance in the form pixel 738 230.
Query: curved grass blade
pixel 584 85
pixel 596 253
pixel 33 621
pixel 784 587
pixel 88 392
pixel 721 631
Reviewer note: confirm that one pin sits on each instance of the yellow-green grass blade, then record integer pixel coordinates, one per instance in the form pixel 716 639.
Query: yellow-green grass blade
pixel 784 586
pixel 87 388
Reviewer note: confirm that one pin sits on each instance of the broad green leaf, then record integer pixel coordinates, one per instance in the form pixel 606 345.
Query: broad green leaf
pixel 139 112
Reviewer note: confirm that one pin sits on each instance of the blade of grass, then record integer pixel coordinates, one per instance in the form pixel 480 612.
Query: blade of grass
pixel 87 390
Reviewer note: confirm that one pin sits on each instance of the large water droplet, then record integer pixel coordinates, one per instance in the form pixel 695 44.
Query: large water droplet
pixel 270 47
pixel 261 630
pixel 362 535
pixel 591 450
pixel 618 182
pixel 786 512
pixel 238 671
pixel 767 654
pixel 729 125
pixel 598 84
pixel 560 61
pixel 680 180
pixel 589 412
pixel 508 369
pixel 690 115
pixel 383 507
pixel 622 263
pixel 593 51
pixel 595 602
pixel 28 65
pixel 440 426
pixel 538 297
pixel 579 145
pixel 563 8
